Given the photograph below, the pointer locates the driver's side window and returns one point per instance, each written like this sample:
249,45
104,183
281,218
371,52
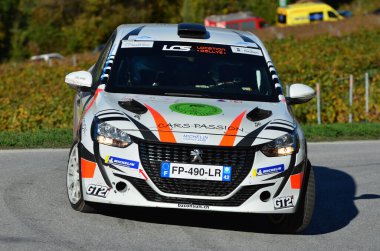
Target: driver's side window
98,68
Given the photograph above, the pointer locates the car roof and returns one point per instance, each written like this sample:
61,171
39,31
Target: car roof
169,32
298,6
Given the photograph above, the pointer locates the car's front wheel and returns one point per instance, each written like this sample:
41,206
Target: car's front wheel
299,221
74,183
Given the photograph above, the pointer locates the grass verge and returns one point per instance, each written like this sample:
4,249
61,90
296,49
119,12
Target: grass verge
62,138
335,132
48,138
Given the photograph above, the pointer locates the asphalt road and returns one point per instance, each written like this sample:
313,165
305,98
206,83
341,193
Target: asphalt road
35,213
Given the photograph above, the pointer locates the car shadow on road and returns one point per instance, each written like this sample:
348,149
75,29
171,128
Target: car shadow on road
334,202
334,209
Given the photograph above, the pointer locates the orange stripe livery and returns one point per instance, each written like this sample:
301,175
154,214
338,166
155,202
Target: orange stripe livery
93,100
165,135
230,135
296,180
89,106
87,168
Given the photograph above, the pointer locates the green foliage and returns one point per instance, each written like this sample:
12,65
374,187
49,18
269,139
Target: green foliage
33,95
90,28
66,26
30,27
38,98
329,61
7,7
197,10
263,8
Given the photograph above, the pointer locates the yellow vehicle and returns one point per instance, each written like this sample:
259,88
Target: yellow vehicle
305,13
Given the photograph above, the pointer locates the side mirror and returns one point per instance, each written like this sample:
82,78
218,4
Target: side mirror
79,80
299,94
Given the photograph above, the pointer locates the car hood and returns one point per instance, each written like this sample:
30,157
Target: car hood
197,120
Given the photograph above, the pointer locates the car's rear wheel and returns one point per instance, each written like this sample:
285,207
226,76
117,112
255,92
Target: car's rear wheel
300,220
74,182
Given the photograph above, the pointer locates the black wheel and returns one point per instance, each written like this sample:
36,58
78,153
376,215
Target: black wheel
300,220
74,182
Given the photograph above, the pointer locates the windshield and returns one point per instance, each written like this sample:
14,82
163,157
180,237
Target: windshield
191,69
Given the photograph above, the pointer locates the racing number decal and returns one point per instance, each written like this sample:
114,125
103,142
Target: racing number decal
97,190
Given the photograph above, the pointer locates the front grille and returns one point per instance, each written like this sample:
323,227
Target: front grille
152,154
236,200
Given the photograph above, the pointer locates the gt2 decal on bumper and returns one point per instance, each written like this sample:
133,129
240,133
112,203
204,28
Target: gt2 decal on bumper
283,202
98,190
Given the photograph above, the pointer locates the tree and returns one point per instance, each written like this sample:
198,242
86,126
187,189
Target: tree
7,10
197,10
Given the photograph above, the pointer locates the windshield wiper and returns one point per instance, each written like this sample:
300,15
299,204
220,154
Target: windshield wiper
185,94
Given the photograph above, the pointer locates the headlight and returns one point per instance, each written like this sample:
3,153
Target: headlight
107,134
282,146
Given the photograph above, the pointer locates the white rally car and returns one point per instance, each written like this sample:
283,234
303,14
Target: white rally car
180,116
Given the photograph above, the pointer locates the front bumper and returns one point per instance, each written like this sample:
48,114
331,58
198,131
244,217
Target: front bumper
142,189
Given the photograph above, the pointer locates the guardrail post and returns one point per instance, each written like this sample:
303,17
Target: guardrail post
74,60
318,104
350,97
366,77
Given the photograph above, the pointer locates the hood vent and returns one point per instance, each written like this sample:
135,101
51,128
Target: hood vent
258,114
133,106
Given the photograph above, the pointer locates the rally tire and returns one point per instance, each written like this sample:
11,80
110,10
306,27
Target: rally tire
309,200
300,220
74,182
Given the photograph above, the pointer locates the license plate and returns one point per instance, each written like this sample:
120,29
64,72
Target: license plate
195,172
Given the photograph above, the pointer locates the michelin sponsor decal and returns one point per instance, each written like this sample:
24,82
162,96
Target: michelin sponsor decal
196,138
121,162
193,206
268,170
